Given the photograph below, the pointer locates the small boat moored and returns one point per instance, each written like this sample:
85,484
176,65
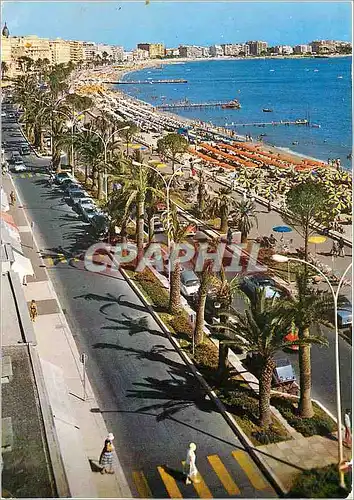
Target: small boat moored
267,110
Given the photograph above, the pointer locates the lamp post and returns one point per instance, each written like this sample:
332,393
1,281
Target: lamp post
167,185
335,294
105,143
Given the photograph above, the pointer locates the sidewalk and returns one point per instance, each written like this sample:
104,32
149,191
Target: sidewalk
81,432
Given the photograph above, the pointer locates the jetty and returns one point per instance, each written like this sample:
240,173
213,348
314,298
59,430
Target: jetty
265,124
144,82
186,105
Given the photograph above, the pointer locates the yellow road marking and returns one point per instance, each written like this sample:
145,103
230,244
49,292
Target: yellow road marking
141,484
170,483
61,257
200,486
223,474
76,259
50,261
253,474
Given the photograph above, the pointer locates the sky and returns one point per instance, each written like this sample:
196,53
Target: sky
180,22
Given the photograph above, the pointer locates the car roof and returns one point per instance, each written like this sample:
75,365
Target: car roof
188,274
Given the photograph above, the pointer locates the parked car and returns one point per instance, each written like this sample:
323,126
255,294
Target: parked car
84,202
250,284
89,212
190,283
69,184
25,150
19,166
62,176
15,154
76,194
344,312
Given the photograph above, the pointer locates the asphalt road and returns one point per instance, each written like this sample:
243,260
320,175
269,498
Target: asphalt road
147,397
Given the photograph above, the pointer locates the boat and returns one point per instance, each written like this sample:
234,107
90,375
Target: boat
234,104
267,110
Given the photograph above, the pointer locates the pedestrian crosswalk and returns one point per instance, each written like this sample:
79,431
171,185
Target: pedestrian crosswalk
28,175
173,482
58,258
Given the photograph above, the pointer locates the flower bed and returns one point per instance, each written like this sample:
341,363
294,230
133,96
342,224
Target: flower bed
320,424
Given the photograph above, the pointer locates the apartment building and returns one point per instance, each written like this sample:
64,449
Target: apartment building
76,51
302,49
154,49
89,50
172,52
60,51
256,47
190,51
30,46
140,55
216,51
283,50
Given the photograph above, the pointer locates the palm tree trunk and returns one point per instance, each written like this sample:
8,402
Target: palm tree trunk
86,172
265,385
222,361
243,237
127,147
199,323
151,227
175,289
140,228
99,185
56,157
223,222
305,403
37,136
173,164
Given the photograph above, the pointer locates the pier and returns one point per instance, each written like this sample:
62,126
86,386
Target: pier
186,105
144,82
264,124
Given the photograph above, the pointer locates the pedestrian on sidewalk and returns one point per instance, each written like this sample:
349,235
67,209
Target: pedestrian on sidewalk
191,469
12,198
106,457
24,280
347,425
335,249
33,310
341,250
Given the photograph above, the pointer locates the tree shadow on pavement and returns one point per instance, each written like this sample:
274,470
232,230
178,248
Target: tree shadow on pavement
112,300
133,326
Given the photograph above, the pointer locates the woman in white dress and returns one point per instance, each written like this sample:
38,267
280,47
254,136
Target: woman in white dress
191,468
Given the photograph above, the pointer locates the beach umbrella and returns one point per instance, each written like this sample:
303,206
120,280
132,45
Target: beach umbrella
317,239
282,230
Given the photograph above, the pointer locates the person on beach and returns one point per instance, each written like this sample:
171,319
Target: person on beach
33,311
341,251
347,425
12,198
106,457
191,468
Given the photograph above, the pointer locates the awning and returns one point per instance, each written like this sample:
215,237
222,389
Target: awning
22,265
8,234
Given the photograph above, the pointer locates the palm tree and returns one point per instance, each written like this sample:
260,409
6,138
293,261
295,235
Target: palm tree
173,145
306,310
4,68
129,133
206,279
177,233
220,206
90,149
260,331
244,216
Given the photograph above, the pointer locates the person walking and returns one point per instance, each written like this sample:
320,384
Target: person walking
341,251
12,198
191,468
334,251
106,457
33,310
347,425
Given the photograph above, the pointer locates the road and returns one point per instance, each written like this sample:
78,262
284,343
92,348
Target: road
147,396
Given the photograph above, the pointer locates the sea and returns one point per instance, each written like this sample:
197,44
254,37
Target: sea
316,89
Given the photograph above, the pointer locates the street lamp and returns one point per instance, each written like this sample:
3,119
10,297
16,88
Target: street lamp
105,145
167,185
335,293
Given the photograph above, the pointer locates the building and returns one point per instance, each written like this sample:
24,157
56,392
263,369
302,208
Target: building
76,51
60,51
172,52
234,49
323,46
140,55
190,51
216,51
89,51
154,49
30,46
256,48
302,49
128,56
283,50
118,53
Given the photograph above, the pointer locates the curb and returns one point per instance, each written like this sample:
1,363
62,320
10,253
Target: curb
27,329
123,483
248,445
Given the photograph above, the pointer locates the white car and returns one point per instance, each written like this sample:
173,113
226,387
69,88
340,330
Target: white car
84,203
190,283
19,166
89,212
